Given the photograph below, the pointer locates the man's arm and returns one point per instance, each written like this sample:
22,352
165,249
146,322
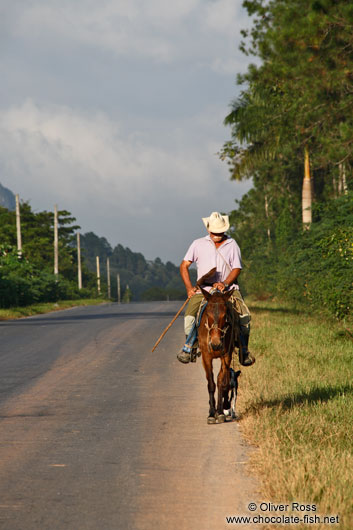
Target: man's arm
184,272
232,276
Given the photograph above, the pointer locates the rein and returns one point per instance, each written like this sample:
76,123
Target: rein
209,328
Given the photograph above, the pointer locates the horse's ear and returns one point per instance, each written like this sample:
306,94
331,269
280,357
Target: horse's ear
206,294
228,294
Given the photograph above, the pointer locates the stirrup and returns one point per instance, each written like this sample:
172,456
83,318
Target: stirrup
194,354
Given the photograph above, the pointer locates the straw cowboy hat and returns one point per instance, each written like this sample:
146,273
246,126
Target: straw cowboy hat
216,223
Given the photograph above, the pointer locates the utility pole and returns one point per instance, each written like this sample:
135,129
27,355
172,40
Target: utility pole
79,261
127,294
108,276
98,276
18,226
56,242
118,286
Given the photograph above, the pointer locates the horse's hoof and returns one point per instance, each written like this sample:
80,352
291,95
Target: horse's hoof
221,418
211,420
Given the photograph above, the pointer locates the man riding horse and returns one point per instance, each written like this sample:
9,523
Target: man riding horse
219,251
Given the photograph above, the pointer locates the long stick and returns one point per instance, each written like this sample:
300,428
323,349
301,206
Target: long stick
170,324
198,284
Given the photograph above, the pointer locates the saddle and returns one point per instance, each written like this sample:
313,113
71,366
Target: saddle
191,340
237,314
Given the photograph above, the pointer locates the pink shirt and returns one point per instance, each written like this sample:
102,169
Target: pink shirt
204,253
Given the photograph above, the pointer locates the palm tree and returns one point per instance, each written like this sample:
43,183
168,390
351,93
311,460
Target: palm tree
307,193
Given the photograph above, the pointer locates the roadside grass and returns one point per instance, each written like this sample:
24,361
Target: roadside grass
37,309
296,407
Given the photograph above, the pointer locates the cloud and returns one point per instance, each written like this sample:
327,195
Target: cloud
88,165
114,110
58,144
199,31
63,144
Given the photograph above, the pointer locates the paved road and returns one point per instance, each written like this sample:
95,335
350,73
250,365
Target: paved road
96,432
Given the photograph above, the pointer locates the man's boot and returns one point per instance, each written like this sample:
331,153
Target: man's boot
245,357
188,353
184,357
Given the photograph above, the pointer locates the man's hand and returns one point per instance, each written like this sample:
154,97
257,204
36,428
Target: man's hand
191,291
219,285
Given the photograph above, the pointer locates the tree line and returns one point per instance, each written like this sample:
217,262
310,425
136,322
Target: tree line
292,133
28,277
147,279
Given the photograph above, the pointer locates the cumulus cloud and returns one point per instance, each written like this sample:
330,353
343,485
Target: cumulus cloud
86,164
87,152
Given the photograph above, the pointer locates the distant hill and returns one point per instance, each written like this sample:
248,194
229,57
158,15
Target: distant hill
7,198
147,280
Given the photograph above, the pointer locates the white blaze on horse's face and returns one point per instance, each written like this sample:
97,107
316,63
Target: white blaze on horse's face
216,325
216,322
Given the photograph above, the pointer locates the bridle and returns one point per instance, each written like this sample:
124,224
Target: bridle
209,328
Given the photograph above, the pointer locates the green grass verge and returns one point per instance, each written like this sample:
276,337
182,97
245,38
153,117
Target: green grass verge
37,309
296,406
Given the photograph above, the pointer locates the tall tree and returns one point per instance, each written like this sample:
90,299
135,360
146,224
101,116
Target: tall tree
301,94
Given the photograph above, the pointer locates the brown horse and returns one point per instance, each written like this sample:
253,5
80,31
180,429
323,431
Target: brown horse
216,341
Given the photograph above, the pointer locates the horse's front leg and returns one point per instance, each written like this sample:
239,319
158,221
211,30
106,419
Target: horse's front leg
207,364
223,384
227,396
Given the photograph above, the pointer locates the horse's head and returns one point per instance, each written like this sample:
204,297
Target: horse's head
215,318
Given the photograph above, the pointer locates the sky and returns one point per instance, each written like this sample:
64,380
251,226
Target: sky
114,110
